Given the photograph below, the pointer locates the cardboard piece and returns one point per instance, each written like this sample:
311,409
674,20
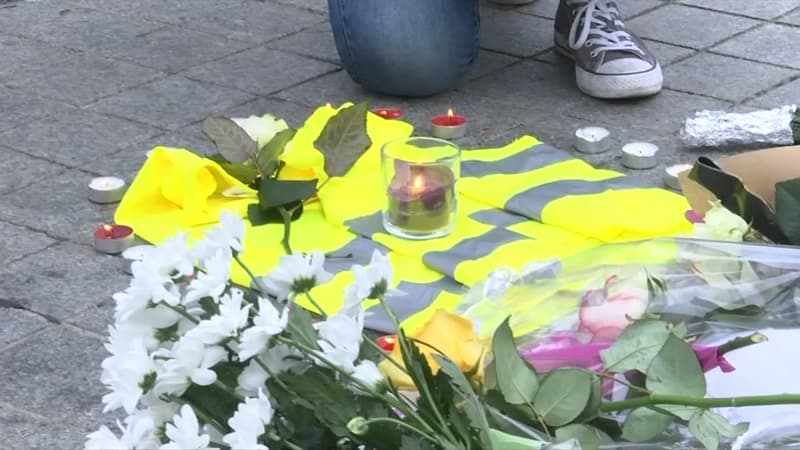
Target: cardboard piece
759,170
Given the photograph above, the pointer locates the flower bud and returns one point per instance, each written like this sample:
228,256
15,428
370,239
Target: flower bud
358,426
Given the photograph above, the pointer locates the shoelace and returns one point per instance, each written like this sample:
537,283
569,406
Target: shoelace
594,20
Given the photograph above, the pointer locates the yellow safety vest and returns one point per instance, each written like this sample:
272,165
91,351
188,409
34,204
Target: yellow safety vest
519,203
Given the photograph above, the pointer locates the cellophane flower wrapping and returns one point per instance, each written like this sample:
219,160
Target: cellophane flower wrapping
565,313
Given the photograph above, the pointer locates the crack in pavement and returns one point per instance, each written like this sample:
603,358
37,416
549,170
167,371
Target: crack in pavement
9,304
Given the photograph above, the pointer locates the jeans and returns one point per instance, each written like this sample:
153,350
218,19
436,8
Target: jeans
409,48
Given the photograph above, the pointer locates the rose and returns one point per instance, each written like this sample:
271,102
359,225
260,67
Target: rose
605,312
720,224
262,129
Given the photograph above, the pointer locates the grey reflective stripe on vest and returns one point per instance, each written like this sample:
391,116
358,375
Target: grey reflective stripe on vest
358,251
497,217
531,203
418,297
367,225
446,261
532,158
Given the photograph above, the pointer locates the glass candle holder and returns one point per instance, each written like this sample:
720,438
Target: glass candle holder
420,175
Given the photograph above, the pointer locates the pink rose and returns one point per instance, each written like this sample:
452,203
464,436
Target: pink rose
605,312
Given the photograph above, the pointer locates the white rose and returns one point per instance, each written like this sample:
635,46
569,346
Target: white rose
262,129
721,225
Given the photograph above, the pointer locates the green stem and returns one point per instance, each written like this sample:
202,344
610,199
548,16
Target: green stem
287,227
291,445
402,424
741,342
182,312
250,273
271,374
202,415
720,402
229,390
389,357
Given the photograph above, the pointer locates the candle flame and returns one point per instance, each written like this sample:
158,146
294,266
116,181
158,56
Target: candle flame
329,105
450,112
419,183
107,228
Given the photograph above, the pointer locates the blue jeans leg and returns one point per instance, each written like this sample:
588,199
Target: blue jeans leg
409,48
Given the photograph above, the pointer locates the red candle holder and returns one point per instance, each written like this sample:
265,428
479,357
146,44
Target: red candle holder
387,342
389,113
113,239
449,126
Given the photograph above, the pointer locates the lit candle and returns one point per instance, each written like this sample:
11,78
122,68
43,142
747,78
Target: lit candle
389,113
639,155
387,342
449,126
113,239
421,198
106,189
672,175
592,139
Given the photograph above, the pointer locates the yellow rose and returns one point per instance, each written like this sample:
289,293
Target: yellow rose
449,333
261,129
720,224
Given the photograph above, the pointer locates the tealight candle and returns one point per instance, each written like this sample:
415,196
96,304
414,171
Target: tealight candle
113,239
449,126
106,190
639,155
389,113
672,175
592,139
387,342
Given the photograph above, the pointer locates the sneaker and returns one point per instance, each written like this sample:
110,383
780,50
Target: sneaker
610,61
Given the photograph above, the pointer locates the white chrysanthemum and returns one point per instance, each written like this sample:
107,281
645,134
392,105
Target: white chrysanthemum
374,280
147,323
232,317
173,257
126,372
721,225
262,129
159,410
248,423
137,434
191,363
280,358
368,373
184,432
297,273
213,281
147,287
229,234
269,322
340,340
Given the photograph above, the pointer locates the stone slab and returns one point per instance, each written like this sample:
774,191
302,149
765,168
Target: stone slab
260,71
516,34
16,242
294,114
792,18
22,430
787,94
335,88
320,6
75,137
316,41
489,62
682,25
62,280
20,170
17,325
547,8
760,10
723,77
26,55
95,317
667,53
166,11
759,45
21,15
171,102
20,107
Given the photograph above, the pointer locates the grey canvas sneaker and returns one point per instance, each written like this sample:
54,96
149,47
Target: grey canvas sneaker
610,61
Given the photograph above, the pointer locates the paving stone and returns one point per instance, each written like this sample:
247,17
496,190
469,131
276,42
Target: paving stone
335,88
792,18
759,45
75,137
255,22
17,242
20,107
82,79
25,431
682,25
20,170
489,62
316,42
22,54
666,53
547,8
166,11
294,114
55,374
761,10
21,15
516,34
788,94
172,102
723,77
314,5
96,317
63,279
173,49
17,325
260,71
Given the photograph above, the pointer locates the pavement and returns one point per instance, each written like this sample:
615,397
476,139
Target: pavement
87,87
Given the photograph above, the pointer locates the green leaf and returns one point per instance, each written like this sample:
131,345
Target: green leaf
505,441
232,142
244,172
301,327
415,442
644,424
595,398
333,404
272,193
676,370
787,208
470,403
636,347
704,431
590,438
344,139
563,395
260,216
267,159
515,378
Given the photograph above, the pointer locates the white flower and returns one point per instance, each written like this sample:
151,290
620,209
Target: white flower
367,372
721,225
279,359
138,434
352,302
297,273
184,432
374,280
191,363
146,323
173,257
213,281
248,423
262,129
229,234
340,340
269,322
159,410
125,372
147,287
233,314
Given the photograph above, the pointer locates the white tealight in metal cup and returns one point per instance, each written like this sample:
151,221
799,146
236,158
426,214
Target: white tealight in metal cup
106,190
672,175
592,139
640,155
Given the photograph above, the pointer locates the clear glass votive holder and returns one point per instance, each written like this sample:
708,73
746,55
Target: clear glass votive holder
419,178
